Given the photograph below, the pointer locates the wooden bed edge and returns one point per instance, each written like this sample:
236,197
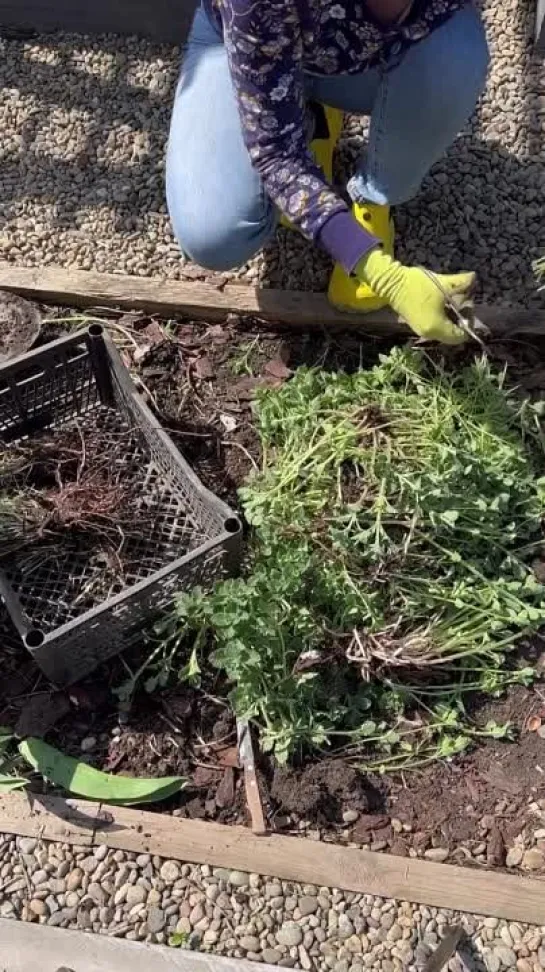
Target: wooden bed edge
294,309
476,891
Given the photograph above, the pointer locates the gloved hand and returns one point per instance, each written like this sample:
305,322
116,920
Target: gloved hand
415,296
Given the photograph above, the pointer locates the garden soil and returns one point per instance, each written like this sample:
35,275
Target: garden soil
200,380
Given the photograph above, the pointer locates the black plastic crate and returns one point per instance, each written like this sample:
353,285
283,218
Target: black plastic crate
193,538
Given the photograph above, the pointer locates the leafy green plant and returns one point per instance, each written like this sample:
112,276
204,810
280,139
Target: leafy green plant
396,518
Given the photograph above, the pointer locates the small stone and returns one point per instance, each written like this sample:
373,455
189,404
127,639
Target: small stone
250,943
155,920
27,845
395,933
271,956
289,935
39,877
506,955
74,879
354,945
197,914
100,852
438,854
210,937
492,961
350,816
514,856
238,879
96,893
135,894
39,908
88,744
523,965
57,886
308,905
533,859
170,872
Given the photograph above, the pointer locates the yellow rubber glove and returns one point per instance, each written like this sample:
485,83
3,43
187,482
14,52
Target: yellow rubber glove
414,296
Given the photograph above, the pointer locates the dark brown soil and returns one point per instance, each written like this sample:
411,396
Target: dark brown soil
200,379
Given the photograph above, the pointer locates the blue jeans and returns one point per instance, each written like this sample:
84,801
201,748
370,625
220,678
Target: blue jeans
219,210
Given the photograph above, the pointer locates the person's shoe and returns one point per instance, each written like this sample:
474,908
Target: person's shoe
345,292
328,123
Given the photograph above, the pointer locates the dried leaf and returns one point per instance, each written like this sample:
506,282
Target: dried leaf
278,369
83,780
203,368
533,723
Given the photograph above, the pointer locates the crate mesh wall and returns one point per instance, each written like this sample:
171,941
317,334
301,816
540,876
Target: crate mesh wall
87,611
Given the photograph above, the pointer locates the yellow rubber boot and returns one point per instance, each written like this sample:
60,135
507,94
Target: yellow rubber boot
323,147
346,292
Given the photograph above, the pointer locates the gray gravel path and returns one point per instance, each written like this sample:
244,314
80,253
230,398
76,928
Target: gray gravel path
84,123
242,915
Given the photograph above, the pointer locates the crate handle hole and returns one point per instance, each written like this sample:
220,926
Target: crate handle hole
232,524
34,639
95,330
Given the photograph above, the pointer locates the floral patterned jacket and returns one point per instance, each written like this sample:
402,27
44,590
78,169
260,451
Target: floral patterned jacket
270,44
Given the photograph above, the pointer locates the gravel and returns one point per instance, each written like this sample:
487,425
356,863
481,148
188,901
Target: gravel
231,913
84,124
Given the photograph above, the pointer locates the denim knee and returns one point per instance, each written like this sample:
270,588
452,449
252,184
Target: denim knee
220,243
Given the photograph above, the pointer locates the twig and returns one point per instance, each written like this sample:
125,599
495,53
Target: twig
238,445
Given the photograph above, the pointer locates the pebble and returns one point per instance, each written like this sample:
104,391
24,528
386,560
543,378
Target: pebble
170,872
308,905
39,907
27,845
514,856
238,879
88,744
135,894
74,879
289,935
350,816
533,859
155,920
436,854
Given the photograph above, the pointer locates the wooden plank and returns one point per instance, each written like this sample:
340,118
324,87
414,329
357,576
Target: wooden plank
326,865
25,946
48,818
289,858
300,309
160,20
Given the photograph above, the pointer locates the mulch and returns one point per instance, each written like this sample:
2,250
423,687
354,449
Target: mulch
200,380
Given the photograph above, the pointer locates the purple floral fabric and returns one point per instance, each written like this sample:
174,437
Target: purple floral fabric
270,45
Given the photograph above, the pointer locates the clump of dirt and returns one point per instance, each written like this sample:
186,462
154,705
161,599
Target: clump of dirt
320,791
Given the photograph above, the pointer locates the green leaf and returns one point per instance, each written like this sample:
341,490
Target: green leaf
178,939
9,783
85,781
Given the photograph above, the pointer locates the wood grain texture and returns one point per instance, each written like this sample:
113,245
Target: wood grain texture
161,20
293,309
289,858
50,818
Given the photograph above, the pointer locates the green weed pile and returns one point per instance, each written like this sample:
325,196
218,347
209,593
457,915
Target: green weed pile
395,522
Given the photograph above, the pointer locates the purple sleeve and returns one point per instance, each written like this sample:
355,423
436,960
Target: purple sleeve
264,47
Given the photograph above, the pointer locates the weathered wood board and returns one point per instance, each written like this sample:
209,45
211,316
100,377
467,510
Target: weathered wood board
485,892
